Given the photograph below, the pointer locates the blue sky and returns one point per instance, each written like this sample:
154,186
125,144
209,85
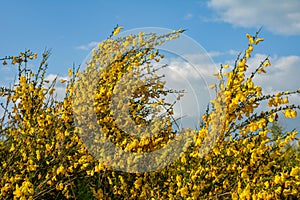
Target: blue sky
70,28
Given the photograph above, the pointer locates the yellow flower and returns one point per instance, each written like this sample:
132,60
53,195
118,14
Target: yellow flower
234,196
278,190
293,113
60,186
12,148
38,154
184,191
295,171
48,147
250,38
226,66
246,193
70,72
277,179
183,159
267,63
248,55
212,86
248,35
250,48
117,30
60,169
17,193
258,40
290,113
138,183
99,194
267,185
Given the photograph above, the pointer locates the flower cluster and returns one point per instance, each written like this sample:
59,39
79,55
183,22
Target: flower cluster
238,152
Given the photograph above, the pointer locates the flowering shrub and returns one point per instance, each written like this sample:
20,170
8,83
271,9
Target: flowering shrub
43,142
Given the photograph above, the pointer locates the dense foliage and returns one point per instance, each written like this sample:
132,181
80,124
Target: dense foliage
44,153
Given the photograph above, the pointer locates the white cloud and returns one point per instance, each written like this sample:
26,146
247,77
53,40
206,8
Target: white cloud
196,74
218,53
191,73
188,16
282,17
282,75
88,46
